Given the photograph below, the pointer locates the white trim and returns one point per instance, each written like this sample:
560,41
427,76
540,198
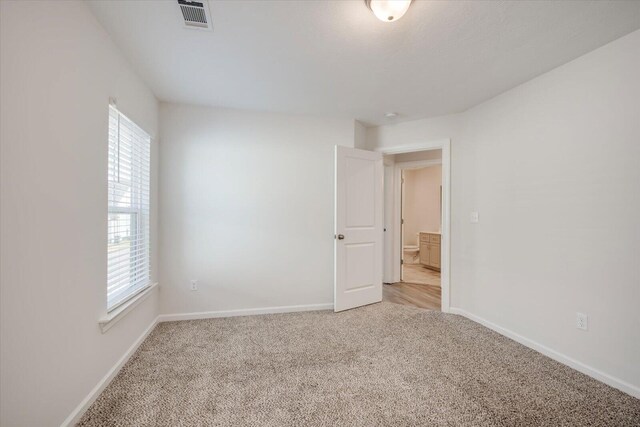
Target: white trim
553,354
112,317
445,262
389,219
77,413
244,312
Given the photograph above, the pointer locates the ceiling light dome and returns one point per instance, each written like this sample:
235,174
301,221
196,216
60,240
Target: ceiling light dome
388,10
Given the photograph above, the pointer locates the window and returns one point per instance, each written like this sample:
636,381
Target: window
128,270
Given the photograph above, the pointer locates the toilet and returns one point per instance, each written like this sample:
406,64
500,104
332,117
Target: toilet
411,253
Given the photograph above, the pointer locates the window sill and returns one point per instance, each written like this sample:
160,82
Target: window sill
112,318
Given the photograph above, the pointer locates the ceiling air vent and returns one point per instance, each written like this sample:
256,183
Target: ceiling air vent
195,14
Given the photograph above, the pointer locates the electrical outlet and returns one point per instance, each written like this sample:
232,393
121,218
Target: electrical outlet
582,321
474,217
194,285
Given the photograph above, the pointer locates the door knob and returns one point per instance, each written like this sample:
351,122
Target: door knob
340,236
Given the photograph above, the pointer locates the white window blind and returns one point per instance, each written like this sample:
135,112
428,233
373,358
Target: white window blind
128,218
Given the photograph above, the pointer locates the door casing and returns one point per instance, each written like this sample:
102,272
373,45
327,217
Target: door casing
445,269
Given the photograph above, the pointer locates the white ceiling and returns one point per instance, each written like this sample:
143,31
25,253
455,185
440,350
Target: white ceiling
334,58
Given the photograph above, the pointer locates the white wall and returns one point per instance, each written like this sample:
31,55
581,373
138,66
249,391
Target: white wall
417,156
246,208
359,135
421,202
57,71
552,166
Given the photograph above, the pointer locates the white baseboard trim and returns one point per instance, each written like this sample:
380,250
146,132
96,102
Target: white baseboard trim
243,312
553,354
77,413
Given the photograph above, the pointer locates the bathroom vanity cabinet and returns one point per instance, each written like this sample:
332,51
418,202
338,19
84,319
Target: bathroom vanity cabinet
430,250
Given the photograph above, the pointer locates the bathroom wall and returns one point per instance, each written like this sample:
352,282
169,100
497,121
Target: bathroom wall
421,207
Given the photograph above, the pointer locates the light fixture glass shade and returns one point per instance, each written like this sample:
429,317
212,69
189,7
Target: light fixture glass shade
388,10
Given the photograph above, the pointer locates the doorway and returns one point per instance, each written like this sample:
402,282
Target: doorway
421,222
416,247
368,242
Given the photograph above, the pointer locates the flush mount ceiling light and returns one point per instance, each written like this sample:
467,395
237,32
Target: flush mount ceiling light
388,10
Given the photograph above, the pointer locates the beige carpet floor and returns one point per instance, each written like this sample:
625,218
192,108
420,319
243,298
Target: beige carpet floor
380,365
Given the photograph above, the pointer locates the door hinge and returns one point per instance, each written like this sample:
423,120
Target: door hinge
401,261
402,221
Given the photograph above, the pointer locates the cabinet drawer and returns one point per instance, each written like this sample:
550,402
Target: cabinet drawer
424,237
434,238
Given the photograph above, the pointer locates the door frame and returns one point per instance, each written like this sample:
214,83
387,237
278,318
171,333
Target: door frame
445,262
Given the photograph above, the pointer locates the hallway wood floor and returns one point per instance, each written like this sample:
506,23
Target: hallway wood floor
421,288
418,273
414,294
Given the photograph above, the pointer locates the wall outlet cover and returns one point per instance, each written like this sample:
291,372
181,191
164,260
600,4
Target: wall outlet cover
582,321
194,285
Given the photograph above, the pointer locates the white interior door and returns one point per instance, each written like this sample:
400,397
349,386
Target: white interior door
359,228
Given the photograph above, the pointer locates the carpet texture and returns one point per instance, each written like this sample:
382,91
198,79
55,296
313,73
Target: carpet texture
380,365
